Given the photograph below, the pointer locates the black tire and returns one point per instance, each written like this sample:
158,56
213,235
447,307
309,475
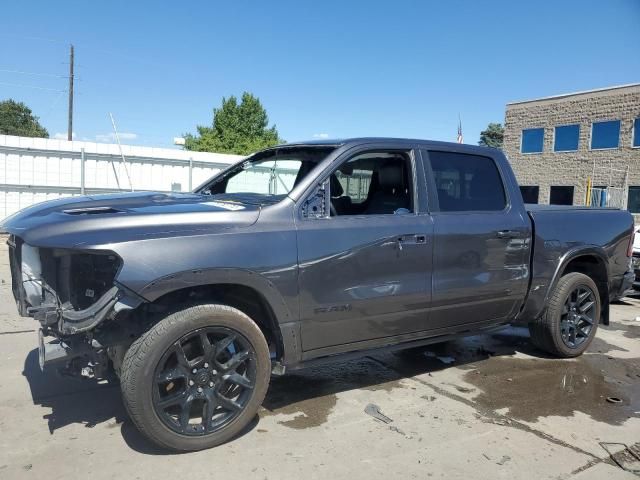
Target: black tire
140,374
547,331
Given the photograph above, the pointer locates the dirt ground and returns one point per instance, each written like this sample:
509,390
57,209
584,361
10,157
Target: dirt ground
485,407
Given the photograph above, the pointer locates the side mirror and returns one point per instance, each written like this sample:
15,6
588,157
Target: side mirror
317,205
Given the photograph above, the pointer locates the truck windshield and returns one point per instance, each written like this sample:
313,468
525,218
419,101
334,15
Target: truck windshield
266,177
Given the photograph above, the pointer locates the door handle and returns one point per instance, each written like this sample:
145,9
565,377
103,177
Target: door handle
416,239
507,234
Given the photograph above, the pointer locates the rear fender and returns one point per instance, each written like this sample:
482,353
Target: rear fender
542,287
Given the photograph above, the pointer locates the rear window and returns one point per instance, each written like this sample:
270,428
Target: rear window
467,183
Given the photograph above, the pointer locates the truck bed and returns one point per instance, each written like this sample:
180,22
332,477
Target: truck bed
560,232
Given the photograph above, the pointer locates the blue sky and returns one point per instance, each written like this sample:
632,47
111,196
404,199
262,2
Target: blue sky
330,68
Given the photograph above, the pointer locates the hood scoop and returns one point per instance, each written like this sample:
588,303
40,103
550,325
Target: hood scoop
91,211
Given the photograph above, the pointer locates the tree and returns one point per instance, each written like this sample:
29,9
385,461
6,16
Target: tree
237,128
493,136
17,119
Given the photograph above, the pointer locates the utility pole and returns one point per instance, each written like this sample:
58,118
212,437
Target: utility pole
70,126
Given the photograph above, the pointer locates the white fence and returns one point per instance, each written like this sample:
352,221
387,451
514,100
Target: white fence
37,169
609,197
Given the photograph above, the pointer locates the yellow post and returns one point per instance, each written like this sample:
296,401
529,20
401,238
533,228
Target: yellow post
587,200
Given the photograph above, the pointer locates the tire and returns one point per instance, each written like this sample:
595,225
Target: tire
229,355
552,331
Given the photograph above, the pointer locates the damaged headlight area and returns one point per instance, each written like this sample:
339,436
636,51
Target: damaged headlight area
67,291
72,293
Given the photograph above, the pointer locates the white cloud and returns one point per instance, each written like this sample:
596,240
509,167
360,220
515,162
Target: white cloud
111,137
320,135
63,136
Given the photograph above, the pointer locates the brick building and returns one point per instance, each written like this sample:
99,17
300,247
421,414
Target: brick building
556,144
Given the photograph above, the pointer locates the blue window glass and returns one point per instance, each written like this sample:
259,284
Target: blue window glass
633,200
605,134
636,132
566,138
532,140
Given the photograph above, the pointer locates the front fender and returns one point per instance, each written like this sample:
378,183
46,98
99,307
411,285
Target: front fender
216,276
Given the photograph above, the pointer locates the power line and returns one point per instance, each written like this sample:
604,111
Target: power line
31,86
33,73
24,37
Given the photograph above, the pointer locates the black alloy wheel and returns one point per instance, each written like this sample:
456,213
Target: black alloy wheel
570,319
197,378
577,316
204,380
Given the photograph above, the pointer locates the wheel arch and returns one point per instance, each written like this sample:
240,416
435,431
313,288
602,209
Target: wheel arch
245,290
591,261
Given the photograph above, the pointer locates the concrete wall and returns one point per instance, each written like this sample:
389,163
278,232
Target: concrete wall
573,168
38,169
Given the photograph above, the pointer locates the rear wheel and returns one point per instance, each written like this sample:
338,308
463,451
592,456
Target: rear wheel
569,324
197,378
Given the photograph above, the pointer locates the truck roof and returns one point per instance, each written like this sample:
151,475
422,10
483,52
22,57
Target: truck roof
391,140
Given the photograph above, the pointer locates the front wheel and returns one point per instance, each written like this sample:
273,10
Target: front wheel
197,378
570,322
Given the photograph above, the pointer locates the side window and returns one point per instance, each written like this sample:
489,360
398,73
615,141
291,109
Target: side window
467,183
372,183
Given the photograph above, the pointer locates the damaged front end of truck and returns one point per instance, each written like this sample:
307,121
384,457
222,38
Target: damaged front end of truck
74,296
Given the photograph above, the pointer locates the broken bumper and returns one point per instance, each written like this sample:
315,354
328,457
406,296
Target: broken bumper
67,291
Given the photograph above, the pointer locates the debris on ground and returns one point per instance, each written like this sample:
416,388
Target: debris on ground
397,430
374,411
614,400
462,389
443,358
503,460
430,398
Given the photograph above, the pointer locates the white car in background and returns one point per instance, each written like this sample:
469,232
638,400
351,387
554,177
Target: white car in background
635,259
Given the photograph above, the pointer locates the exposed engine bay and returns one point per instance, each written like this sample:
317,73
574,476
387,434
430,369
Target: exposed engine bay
74,296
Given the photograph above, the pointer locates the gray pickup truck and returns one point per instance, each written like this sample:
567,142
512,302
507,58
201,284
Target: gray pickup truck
294,256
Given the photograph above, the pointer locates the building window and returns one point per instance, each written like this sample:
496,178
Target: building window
530,193
566,138
633,200
605,134
561,195
532,140
636,132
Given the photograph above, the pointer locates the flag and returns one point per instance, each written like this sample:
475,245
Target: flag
459,139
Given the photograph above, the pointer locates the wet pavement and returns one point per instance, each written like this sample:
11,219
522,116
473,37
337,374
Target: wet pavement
488,406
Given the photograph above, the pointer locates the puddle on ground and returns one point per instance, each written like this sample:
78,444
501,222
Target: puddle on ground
534,388
529,387
309,395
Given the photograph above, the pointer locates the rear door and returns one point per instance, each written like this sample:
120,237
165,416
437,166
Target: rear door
481,241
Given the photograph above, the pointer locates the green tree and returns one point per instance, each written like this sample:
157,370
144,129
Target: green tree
239,128
17,119
493,136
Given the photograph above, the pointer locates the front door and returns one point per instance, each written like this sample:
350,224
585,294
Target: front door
365,269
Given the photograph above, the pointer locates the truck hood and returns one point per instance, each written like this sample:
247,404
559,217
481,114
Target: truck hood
98,220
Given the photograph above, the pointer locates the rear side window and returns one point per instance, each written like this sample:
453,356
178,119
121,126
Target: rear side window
467,183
